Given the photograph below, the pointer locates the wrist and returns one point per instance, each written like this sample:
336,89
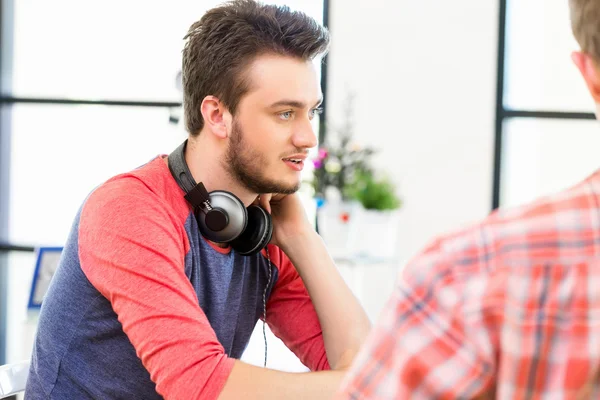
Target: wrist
300,241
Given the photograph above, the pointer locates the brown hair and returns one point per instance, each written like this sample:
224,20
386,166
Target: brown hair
585,23
226,40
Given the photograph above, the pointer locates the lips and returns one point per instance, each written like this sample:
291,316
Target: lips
295,163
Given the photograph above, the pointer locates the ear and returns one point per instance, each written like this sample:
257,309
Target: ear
590,72
215,116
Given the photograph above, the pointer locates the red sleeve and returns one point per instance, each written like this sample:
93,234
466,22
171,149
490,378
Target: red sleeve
292,316
132,249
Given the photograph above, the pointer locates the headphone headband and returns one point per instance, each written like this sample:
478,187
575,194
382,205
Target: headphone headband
180,170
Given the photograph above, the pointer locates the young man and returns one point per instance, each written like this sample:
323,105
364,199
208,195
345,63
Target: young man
509,308
157,292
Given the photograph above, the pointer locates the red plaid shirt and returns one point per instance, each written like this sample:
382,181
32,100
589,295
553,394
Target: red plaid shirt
508,309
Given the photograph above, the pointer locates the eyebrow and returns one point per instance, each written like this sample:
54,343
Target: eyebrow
293,103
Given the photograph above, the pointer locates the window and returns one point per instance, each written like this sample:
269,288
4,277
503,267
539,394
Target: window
539,72
545,130
101,50
107,50
543,156
61,152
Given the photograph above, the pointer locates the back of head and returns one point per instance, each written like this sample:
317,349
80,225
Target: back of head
222,44
585,23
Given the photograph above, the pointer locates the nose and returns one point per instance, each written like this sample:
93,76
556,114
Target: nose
305,137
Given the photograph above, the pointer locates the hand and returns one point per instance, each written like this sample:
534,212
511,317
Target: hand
288,214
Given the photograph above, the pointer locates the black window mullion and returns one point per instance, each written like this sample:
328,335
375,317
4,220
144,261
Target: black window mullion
499,106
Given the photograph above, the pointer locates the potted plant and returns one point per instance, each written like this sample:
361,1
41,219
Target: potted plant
355,203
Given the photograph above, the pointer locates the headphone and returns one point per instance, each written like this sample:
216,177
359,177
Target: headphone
221,215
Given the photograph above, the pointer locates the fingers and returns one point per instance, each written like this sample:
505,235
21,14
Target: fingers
265,202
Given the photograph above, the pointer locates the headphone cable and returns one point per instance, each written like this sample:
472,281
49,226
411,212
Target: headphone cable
265,304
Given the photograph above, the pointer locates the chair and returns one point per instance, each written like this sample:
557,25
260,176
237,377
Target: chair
13,378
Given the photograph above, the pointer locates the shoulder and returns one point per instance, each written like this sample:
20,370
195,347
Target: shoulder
119,196
143,203
513,237
148,191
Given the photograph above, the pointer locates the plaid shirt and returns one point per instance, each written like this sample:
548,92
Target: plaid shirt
508,309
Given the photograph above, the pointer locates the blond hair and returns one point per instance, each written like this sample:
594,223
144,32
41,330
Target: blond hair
585,24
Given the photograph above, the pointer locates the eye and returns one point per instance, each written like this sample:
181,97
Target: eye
286,115
315,111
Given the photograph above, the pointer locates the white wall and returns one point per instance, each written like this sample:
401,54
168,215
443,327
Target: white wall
424,77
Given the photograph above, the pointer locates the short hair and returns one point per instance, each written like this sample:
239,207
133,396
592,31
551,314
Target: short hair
223,43
585,24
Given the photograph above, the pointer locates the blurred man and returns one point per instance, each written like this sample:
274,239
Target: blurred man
509,308
168,268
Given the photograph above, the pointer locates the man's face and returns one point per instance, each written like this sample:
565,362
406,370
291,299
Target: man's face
272,131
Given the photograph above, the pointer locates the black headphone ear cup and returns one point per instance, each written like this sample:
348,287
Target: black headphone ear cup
268,235
257,234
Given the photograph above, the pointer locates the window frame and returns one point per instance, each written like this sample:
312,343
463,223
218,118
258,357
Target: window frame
503,113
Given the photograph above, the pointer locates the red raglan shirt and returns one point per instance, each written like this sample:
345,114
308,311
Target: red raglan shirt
143,307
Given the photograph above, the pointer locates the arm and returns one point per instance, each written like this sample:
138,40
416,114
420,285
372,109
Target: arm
132,249
291,314
292,317
255,383
344,323
298,320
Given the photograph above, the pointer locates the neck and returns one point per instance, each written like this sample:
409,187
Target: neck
204,159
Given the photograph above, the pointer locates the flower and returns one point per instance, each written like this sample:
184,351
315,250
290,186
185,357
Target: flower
323,153
335,165
344,164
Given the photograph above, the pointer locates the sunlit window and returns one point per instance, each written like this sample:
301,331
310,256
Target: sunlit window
542,156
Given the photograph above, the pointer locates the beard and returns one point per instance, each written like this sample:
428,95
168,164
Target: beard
247,166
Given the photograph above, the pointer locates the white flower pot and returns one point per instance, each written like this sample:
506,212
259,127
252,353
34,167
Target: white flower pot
336,223
351,232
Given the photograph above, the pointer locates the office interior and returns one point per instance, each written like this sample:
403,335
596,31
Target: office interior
471,105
